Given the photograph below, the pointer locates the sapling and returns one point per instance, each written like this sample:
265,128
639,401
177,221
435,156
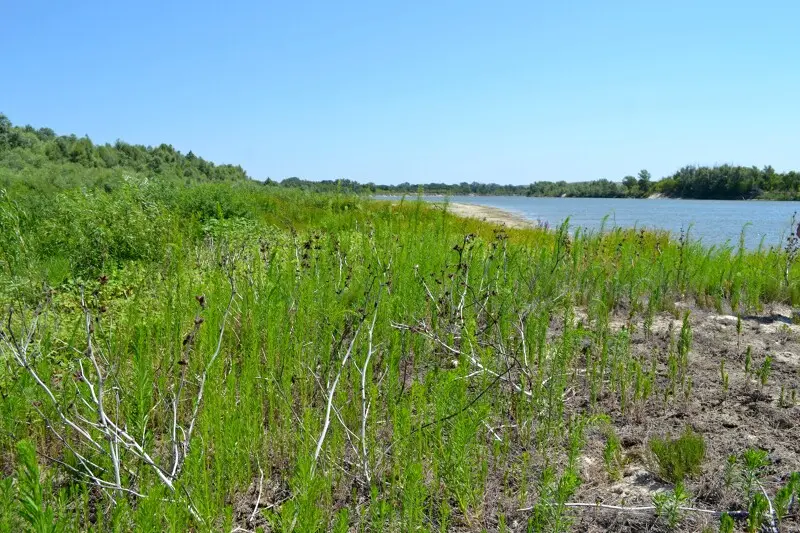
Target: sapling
724,375
668,505
764,370
687,390
785,495
748,361
752,463
726,523
612,455
730,472
756,512
738,333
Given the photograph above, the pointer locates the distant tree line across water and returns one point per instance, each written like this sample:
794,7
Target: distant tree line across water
26,148
724,182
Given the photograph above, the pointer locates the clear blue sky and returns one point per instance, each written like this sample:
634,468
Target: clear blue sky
450,91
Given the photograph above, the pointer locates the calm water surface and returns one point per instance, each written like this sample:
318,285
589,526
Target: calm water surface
712,221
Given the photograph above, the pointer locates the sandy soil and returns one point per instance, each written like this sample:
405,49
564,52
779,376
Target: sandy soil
492,215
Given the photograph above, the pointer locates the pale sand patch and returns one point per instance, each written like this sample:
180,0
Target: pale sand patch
492,215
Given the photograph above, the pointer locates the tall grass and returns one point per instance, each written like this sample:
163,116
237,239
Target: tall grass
383,366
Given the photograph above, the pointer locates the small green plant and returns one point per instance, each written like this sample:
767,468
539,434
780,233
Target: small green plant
613,456
680,457
7,502
756,512
752,464
731,471
748,361
668,505
32,507
550,514
764,370
726,523
684,345
724,376
785,495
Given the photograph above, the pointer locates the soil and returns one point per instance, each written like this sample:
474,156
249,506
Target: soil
747,415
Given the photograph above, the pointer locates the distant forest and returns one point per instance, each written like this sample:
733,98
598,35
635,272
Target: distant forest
724,182
25,149
69,159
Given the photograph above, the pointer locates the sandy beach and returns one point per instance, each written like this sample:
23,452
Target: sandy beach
490,214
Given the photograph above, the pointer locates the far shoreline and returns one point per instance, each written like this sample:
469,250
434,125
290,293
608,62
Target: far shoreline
381,196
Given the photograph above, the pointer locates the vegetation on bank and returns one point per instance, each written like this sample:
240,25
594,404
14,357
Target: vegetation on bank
67,158
25,148
226,355
723,182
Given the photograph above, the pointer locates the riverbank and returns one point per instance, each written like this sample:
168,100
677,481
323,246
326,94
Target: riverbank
486,213
492,215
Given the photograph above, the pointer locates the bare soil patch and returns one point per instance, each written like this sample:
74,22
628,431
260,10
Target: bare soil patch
748,415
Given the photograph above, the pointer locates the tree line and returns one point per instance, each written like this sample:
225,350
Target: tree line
723,182
26,147
23,148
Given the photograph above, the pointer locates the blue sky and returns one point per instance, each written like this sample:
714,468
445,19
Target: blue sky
445,91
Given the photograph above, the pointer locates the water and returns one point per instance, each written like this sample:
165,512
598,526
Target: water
712,221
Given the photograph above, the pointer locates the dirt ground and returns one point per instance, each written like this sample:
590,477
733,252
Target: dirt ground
748,415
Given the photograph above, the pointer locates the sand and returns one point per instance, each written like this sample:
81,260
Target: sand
492,215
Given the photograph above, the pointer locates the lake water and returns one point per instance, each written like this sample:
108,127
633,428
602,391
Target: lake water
712,221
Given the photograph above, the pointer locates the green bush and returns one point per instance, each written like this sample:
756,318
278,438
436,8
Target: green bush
97,230
680,457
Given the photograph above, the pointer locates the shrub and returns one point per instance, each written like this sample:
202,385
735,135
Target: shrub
680,457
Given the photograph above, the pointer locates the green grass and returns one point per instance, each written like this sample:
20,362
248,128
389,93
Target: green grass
680,457
450,379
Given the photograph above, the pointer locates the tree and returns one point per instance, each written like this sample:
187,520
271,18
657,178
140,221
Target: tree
630,184
644,181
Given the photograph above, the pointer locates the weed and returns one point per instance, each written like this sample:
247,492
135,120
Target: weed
764,370
756,512
613,456
726,523
680,457
668,505
748,361
723,376
752,463
786,495
32,507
